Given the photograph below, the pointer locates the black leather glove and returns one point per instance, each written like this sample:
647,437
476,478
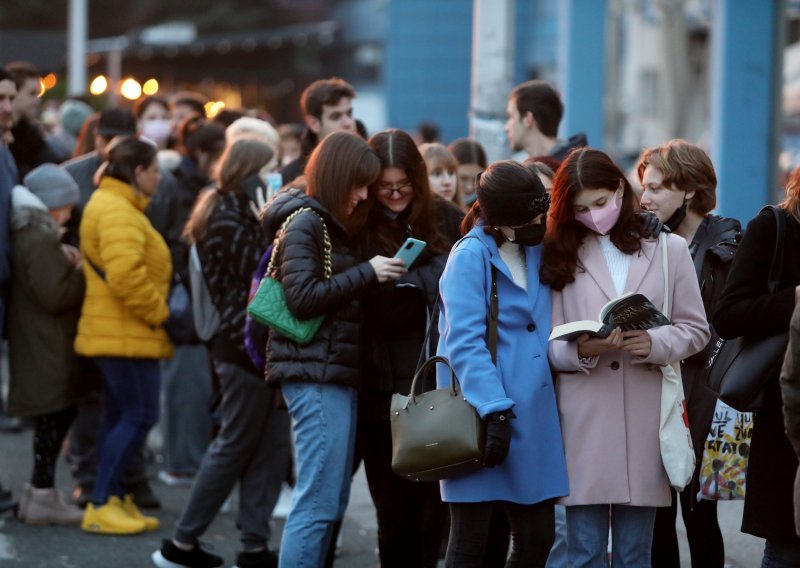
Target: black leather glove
498,437
652,226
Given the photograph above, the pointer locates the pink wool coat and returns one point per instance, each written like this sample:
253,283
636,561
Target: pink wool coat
609,407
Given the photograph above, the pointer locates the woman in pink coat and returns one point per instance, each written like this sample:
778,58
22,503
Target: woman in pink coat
609,390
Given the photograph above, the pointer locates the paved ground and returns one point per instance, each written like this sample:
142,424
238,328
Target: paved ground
51,547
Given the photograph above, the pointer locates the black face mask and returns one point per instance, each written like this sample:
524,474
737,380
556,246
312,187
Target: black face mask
677,218
530,235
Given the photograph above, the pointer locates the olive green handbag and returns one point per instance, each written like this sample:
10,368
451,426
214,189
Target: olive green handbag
438,434
268,306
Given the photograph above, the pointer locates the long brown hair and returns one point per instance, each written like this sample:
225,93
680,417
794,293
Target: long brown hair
396,149
791,204
585,168
341,162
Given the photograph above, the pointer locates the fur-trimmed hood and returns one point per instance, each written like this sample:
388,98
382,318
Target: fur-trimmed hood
27,210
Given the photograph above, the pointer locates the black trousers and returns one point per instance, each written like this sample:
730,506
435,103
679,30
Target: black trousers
702,530
411,517
532,533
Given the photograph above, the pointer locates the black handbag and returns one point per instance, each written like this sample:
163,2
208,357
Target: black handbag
739,368
438,434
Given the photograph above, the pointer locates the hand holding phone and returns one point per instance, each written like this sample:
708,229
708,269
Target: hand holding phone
410,250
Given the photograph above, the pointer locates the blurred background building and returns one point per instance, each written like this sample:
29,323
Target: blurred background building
413,60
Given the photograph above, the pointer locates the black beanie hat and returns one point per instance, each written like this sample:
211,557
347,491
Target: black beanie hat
510,195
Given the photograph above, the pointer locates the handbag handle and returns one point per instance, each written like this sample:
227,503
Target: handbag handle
424,368
494,311
326,261
665,267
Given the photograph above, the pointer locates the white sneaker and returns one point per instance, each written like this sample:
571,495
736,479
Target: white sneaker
284,504
174,479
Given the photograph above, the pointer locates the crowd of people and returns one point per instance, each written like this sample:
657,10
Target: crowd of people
105,216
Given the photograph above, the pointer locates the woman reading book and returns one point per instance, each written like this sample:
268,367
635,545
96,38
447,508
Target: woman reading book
609,389
509,384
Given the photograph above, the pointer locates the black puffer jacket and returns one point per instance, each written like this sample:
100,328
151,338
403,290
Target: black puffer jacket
334,355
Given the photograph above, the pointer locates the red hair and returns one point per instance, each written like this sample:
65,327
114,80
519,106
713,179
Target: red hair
584,168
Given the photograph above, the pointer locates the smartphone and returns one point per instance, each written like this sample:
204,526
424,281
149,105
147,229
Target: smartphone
410,250
274,184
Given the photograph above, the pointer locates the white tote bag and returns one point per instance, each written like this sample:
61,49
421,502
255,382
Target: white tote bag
677,452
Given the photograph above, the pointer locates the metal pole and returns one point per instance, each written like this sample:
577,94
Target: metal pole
114,66
76,66
492,73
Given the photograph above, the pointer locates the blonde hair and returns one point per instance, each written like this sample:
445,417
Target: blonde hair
438,156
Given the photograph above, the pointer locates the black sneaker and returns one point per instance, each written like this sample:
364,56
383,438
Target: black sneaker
143,495
260,559
170,556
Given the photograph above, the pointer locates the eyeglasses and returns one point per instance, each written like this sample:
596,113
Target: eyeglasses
389,189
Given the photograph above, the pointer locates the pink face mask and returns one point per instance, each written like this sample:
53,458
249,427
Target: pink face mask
602,220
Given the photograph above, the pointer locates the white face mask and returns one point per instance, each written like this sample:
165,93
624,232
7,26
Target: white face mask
157,130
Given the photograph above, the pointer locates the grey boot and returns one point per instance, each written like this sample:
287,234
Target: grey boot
47,506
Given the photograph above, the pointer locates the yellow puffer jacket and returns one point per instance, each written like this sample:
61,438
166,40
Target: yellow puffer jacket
123,314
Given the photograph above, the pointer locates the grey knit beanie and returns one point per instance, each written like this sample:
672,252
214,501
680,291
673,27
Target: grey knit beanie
53,185
73,114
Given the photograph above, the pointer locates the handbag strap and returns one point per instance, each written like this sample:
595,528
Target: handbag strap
492,333
665,266
776,268
326,261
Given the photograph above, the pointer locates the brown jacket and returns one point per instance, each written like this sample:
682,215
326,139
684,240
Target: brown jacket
790,385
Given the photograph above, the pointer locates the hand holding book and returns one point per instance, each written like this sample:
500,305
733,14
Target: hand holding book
629,312
636,342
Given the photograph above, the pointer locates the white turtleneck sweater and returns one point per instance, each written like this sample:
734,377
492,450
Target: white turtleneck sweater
514,257
618,263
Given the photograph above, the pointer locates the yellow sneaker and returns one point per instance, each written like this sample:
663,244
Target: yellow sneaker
110,518
150,523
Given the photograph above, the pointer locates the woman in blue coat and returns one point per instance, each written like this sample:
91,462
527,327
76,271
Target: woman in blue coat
524,456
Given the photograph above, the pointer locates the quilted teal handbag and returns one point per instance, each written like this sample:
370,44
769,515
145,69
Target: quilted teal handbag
268,306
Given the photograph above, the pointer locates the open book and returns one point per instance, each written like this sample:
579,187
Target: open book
629,312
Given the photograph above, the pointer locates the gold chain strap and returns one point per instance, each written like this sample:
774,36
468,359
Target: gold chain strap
326,239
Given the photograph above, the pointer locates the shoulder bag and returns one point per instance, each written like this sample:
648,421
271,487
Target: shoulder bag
438,434
738,368
268,306
677,452
180,322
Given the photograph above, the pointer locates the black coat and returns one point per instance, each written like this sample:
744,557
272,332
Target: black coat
334,355
747,309
397,313
712,249
229,254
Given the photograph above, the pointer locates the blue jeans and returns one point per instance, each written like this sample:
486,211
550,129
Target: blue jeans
631,533
131,391
558,554
324,424
781,555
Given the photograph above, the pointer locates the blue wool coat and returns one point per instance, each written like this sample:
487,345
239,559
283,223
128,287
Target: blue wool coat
535,468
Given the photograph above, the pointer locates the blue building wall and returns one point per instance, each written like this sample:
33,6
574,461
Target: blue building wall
427,64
